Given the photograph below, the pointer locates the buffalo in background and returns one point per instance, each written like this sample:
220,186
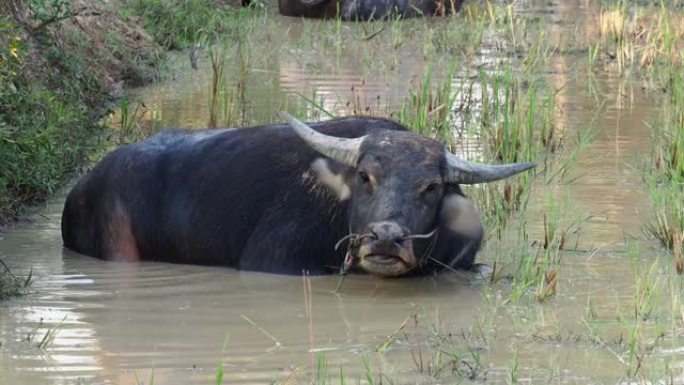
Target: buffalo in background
279,198
367,9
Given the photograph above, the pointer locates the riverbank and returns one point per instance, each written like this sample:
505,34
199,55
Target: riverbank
63,65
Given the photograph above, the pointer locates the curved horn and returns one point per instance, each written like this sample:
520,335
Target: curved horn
461,171
311,3
344,150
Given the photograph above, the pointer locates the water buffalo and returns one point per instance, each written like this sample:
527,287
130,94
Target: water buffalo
278,199
367,9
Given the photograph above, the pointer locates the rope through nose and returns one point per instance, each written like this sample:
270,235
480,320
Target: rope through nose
420,236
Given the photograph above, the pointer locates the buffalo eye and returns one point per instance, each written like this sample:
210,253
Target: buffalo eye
431,188
364,177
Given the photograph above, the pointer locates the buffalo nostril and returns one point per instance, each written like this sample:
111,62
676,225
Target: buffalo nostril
388,233
374,234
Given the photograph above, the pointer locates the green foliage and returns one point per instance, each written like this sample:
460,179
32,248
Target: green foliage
515,123
666,177
46,11
177,24
428,109
11,55
44,119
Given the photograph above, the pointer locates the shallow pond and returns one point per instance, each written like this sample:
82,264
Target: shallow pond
89,321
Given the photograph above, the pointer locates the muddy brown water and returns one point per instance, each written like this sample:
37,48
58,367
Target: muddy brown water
117,323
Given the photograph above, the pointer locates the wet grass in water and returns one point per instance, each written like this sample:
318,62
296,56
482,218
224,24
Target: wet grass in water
227,101
12,285
641,41
428,109
511,114
150,379
532,268
130,129
217,85
536,275
514,120
220,366
382,348
665,175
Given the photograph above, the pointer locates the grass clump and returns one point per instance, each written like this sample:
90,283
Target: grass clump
513,123
640,40
665,178
12,285
429,107
179,24
227,95
667,222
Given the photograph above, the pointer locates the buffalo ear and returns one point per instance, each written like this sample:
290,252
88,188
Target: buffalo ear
459,215
332,174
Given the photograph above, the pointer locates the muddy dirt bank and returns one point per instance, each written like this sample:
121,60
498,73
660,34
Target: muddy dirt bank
62,64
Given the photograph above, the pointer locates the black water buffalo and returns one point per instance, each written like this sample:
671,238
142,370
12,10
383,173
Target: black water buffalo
367,9
279,198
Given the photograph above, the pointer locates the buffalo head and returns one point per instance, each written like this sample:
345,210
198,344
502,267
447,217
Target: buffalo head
402,189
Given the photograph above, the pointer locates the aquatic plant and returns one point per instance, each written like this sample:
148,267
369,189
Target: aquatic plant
12,285
515,123
129,126
429,109
665,174
642,41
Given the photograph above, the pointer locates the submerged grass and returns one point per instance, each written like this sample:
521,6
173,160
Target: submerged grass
437,356
637,328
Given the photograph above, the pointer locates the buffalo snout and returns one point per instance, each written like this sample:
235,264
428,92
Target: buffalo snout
387,251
